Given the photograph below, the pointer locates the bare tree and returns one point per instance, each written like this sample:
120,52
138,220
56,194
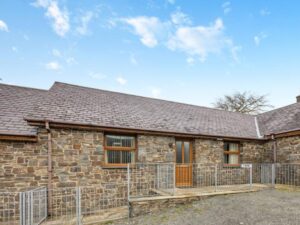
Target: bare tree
243,102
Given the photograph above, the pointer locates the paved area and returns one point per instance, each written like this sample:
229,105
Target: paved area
268,207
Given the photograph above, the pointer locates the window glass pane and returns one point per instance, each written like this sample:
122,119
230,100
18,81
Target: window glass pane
233,147
113,156
119,157
226,146
233,159
178,152
226,158
120,141
186,152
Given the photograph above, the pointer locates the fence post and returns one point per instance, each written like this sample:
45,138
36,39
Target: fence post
174,178
273,175
251,176
158,176
46,208
21,208
216,177
78,206
28,211
31,207
128,182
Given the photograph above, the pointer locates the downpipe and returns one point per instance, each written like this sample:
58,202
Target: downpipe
47,126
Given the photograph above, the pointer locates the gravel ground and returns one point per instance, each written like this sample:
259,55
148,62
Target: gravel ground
268,207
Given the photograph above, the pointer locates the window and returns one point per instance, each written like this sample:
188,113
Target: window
119,149
231,153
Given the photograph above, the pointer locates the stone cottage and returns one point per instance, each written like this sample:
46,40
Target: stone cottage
71,135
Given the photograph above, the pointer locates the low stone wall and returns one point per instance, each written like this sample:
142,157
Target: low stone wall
142,207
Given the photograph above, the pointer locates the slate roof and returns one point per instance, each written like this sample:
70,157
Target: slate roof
280,120
15,103
81,105
70,103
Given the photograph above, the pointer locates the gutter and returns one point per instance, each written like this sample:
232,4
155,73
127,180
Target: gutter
94,127
18,137
49,167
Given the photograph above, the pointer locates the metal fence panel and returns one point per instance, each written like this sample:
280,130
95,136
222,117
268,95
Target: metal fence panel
33,206
151,179
109,200
287,174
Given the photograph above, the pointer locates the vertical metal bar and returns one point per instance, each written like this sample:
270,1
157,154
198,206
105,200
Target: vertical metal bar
251,168
45,203
24,208
78,206
174,178
31,206
216,177
21,207
273,175
128,181
158,176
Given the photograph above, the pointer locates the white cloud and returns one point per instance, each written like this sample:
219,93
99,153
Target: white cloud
226,7
70,61
172,2
264,12
190,60
97,76
178,34
133,60
3,26
60,18
179,18
121,80
56,53
258,38
53,66
234,52
200,40
41,3
148,28
156,92
85,20
14,49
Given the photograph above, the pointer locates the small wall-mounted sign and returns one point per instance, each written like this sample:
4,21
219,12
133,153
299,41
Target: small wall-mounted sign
246,165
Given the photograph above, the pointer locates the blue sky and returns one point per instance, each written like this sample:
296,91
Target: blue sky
186,51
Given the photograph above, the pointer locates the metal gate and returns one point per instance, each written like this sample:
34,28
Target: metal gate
33,206
267,173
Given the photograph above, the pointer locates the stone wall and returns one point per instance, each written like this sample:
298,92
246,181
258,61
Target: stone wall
142,207
23,164
156,148
78,157
254,152
208,151
288,150
212,151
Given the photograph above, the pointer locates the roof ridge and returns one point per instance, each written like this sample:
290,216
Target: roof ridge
257,127
156,99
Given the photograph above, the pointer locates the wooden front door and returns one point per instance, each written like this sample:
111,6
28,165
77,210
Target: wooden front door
184,167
